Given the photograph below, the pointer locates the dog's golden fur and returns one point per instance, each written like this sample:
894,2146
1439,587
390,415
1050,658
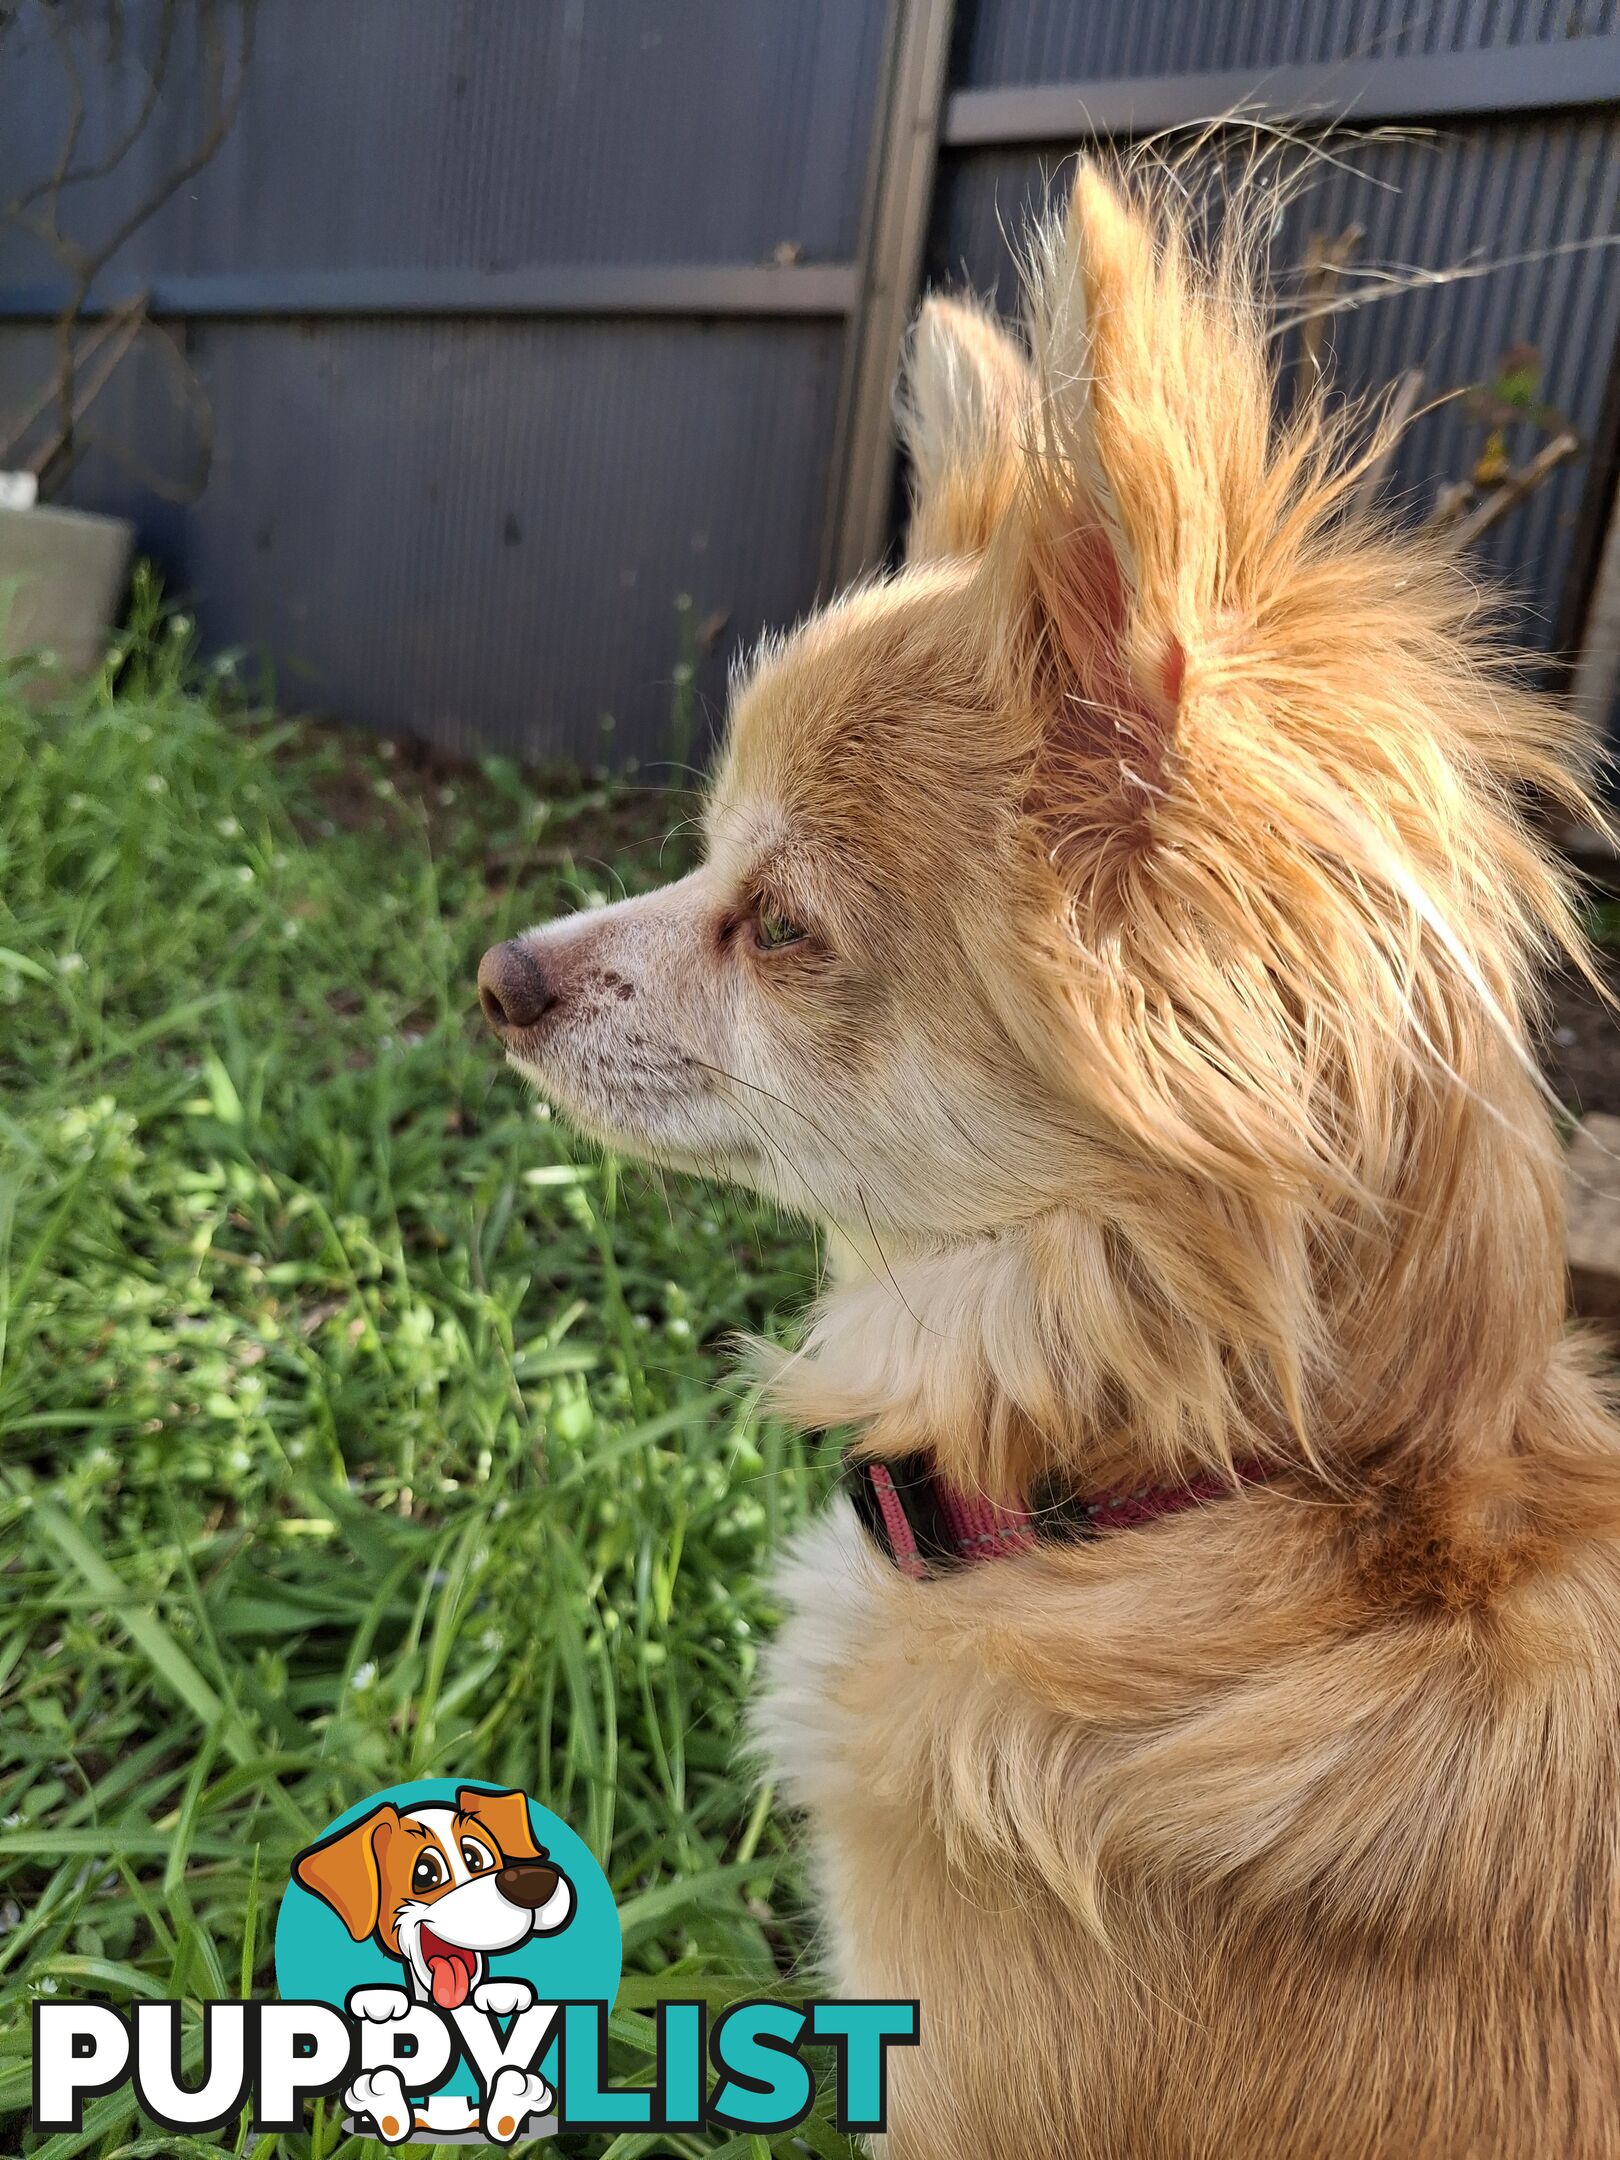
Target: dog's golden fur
1156,1049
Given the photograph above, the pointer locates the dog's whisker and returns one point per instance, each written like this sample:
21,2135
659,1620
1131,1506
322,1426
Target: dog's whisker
821,1133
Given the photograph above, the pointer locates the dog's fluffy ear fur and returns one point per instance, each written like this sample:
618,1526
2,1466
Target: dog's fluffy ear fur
1148,459
505,1815
964,399
1116,475
346,1870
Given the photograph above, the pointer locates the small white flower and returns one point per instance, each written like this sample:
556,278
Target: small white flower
364,1675
155,784
228,828
69,963
47,1986
244,873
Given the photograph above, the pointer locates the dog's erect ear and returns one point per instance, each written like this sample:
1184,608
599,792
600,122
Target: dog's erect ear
964,394
1147,462
346,1870
505,1815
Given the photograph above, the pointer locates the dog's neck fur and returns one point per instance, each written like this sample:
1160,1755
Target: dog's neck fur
1060,1346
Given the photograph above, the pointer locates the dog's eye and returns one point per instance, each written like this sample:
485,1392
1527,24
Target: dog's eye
475,1856
773,930
428,1873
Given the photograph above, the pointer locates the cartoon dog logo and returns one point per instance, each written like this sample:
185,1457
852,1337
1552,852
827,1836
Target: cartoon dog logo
443,1890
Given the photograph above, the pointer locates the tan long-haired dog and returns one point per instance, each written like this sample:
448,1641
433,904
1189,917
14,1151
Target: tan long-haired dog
1119,928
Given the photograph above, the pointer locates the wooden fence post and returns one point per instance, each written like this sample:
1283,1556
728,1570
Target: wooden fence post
897,225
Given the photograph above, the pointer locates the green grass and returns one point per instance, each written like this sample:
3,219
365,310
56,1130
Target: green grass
357,1425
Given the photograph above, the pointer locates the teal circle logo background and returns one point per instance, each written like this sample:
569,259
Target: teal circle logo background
316,1960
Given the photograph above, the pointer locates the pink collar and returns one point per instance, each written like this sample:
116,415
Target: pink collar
927,1527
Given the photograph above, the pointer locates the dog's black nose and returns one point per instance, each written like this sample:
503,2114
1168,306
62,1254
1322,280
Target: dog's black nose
512,987
529,1883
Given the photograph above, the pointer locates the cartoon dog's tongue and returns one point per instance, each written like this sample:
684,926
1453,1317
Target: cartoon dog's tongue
450,1970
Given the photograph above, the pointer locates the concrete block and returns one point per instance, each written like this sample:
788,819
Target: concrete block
62,575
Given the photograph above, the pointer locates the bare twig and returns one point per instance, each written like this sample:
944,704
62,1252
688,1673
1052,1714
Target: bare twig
1396,420
38,209
1451,499
62,40
69,175
164,346
1324,264
90,263
129,320
1515,488
225,107
95,338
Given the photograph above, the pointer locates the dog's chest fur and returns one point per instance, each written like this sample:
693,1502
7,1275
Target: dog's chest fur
1158,1906
853,1712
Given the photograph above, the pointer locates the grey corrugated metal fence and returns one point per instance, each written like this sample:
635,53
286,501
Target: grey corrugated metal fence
520,319
1479,142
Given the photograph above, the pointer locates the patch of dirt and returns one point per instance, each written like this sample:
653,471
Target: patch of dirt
363,782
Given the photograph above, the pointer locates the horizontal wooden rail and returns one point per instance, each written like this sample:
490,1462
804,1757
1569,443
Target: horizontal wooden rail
1566,73
675,289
